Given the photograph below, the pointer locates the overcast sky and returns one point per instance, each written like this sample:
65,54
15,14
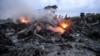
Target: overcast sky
70,7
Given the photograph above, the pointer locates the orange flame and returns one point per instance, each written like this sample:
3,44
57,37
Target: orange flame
24,20
63,26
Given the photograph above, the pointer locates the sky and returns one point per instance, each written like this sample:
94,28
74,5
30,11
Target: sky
69,7
74,7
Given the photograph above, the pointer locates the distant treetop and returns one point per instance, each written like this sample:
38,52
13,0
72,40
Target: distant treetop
53,6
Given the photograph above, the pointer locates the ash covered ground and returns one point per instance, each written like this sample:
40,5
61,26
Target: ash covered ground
82,39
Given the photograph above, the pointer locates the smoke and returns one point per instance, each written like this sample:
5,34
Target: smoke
16,8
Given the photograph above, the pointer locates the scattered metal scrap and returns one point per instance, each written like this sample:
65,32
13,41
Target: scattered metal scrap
81,40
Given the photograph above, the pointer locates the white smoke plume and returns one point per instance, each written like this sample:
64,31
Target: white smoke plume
16,8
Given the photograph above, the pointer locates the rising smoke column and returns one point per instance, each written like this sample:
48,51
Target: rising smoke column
16,8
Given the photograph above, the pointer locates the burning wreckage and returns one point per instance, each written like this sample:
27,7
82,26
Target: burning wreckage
62,37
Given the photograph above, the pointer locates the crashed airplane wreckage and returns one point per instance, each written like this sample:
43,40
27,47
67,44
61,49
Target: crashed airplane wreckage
59,36
36,26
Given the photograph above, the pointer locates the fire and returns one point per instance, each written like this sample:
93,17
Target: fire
60,30
56,29
65,24
24,20
62,26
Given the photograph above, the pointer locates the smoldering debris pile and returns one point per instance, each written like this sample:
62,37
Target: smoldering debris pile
67,38
82,39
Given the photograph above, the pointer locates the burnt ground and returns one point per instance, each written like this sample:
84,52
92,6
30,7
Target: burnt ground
81,40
